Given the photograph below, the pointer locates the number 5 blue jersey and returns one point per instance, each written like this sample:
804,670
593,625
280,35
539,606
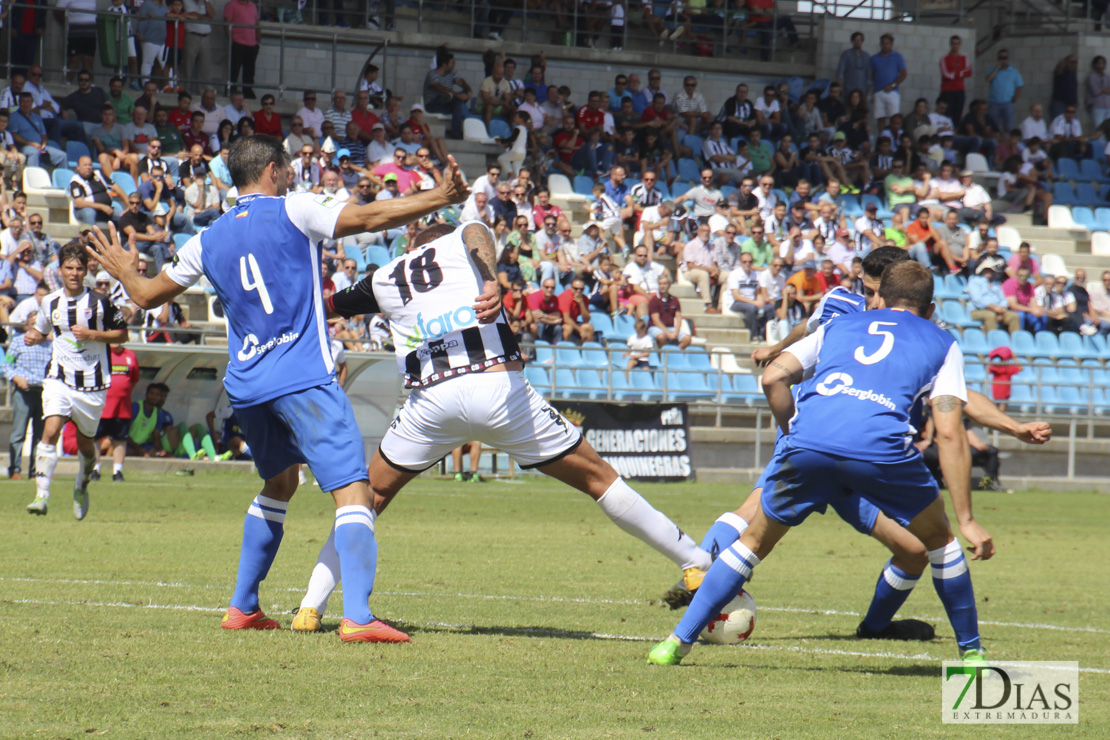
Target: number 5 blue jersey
263,259
870,370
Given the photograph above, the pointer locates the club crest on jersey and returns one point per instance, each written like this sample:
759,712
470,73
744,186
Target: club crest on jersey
56,316
441,325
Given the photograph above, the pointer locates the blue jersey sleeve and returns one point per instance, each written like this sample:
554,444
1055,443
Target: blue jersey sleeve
165,419
837,302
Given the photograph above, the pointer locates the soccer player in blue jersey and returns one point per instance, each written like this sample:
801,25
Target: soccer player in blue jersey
909,558
847,429
263,259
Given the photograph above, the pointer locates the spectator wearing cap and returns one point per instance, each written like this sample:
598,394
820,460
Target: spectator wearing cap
380,149
869,229
808,286
987,299
699,266
975,205
390,188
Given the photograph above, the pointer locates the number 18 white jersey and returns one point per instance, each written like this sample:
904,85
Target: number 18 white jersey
427,296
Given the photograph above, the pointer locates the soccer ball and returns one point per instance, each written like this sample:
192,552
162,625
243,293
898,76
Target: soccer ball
734,624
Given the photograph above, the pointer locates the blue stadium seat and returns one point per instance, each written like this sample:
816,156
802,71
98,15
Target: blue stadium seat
499,129
1063,194
1086,195
1067,169
603,325
624,326
1100,402
745,390
594,356
544,354
356,254
781,195
537,377
1046,344
820,86
956,314
678,189
727,190
125,181
180,239
975,372
975,343
645,382
1096,344
567,355
591,381
694,142
1104,192
849,205
622,390
674,358
795,87
1021,342
698,359
61,177
998,338
661,186
1022,398
955,284
1102,218
1043,374
377,255
1089,171
1068,400
688,171
74,151
1085,217
734,142
1071,345
956,332
688,387
584,185
941,292
566,385
1068,372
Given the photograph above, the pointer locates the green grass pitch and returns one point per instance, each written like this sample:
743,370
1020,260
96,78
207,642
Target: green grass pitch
531,616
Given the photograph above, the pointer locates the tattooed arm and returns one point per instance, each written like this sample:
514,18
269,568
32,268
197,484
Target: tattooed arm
479,243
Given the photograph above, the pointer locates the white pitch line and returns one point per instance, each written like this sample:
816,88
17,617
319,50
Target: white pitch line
553,632
543,599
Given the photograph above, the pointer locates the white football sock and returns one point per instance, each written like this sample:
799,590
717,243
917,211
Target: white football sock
97,468
116,467
46,459
634,515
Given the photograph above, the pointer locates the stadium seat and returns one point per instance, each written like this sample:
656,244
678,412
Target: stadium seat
1071,345
1084,217
698,359
1089,171
537,377
592,382
678,189
781,195
559,184
1021,342
955,285
956,332
849,205
1104,192
475,130
1053,264
603,325
694,142
1100,402
594,356
977,163
723,358
1059,216
1096,343
1046,344
36,181
1102,218
975,372
674,359
352,251
688,387
954,313
584,186
644,382
624,326
544,354
727,190
180,239
1067,169
1043,374
884,212
216,310
745,390
1068,372
688,171
567,355
61,177
1100,243
499,129
974,342
1009,238
125,181
74,151
1022,398
1063,194
566,385
1086,195
376,255
1065,399
734,142
820,86
998,338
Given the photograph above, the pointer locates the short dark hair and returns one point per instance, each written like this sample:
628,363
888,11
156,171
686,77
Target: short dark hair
880,258
156,386
249,156
430,234
907,284
73,250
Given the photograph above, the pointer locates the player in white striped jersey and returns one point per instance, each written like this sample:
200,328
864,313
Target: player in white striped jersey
468,383
82,324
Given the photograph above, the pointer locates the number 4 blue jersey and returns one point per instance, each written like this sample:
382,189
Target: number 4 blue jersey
870,370
263,259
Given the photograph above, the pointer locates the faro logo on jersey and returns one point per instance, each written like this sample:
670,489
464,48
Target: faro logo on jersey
437,327
841,384
252,347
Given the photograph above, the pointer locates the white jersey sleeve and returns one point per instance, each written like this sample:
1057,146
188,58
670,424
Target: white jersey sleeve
314,214
950,377
187,267
42,323
807,349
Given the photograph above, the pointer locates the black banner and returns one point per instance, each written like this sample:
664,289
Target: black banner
642,442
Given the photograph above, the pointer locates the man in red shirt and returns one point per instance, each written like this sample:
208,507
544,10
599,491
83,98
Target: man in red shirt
591,118
364,117
115,422
659,119
576,312
666,317
544,208
567,143
954,69
181,115
545,317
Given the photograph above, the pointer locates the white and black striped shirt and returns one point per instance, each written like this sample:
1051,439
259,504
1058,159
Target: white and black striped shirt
710,148
82,365
427,296
645,197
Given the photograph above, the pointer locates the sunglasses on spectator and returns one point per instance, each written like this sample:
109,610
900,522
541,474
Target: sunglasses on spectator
296,123
746,262
423,154
310,98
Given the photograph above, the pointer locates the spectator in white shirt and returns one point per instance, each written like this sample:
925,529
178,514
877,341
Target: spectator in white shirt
840,252
1034,124
641,275
773,280
1067,136
312,116
749,299
975,206
869,230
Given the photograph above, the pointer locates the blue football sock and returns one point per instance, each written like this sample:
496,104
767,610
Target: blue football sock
358,558
952,581
262,531
723,581
726,530
891,592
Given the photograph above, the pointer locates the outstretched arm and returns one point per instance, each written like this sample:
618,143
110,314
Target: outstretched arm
123,265
382,215
980,410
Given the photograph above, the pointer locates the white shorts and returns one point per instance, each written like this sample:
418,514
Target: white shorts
83,407
886,104
499,409
611,224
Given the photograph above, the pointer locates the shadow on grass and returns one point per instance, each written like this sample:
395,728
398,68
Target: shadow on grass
551,632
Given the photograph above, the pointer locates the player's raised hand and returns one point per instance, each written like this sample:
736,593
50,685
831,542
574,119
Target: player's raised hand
108,250
454,186
1034,432
980,544
487,306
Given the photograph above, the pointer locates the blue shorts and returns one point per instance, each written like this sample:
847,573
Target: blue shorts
799,482
314,426
856,510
